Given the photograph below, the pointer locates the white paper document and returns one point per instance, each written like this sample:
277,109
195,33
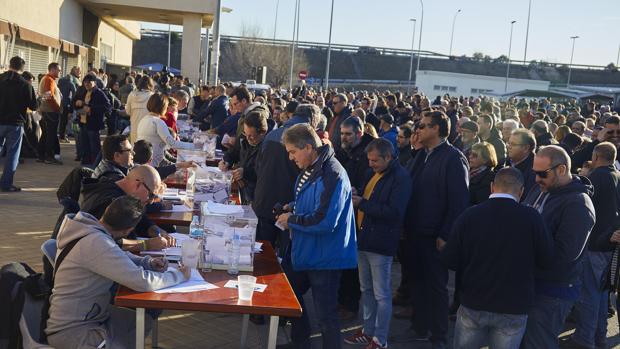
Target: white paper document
194,284
235,284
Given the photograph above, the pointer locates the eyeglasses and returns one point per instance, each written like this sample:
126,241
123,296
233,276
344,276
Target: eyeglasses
128,150
545,173
151,194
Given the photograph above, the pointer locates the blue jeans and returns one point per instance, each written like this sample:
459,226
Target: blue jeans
324,285
11,138
476,328
375,284
545,322
591,307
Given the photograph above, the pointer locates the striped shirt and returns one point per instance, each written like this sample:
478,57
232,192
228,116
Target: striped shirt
302,180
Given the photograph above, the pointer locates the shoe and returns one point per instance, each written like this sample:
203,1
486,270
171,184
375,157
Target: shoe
358,338
346,315
53,162
406,313
64,139
11,189
40,160
257,319
374,344
409,336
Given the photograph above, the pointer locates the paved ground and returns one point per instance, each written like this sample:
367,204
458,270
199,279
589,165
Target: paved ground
27,219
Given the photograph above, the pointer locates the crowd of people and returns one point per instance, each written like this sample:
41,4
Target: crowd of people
519,197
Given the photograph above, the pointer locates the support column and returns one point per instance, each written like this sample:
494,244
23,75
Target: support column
204,73
190,49
215,53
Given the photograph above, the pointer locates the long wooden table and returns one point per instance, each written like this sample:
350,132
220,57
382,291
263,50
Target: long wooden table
173,218
277,300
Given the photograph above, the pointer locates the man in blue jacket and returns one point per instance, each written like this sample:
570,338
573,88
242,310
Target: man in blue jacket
564,202
322,233
97,105
380,213
439,195
212,115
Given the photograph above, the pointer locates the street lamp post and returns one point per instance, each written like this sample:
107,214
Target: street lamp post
512,24
411,60
275,23
329,47
419,41
618,58
452,35
527,31
295,26
570,66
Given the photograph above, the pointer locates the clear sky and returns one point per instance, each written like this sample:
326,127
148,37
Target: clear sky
482,26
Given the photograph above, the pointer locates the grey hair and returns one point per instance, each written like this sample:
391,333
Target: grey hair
512,122
525,137
301,135
310,112
180,94
540,126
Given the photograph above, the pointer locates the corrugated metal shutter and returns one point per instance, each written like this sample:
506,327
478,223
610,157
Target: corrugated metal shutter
21,49
72,61
39,59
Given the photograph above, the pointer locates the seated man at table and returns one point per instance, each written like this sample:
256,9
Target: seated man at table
142,182
322,233
117,159
143,155
80,313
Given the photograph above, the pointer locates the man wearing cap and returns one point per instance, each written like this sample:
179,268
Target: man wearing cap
468,137
388,130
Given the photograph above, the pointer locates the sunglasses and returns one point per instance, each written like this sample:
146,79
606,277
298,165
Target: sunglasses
545,173
151,194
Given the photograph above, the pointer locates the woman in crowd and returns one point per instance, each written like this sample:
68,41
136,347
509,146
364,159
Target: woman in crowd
482,163
154,130
136,104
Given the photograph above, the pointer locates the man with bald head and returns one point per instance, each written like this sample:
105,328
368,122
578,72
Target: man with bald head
142,182
564,202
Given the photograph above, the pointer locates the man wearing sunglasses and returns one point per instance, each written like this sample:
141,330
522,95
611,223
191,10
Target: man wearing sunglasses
564,202
117,159
142,182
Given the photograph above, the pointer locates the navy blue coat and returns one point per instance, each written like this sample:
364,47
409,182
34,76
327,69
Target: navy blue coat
99,105
384,211
569,215
440,191
217,109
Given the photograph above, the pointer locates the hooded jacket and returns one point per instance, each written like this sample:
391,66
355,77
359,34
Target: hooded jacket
16,95
136,108
83,281
569,215
322,224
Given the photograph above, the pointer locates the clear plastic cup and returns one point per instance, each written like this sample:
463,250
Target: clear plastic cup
246,284
190,253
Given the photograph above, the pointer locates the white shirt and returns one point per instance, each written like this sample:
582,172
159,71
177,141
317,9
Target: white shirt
154,130
502,196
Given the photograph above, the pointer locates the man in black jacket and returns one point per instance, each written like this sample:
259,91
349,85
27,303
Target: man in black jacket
565,204
591,307
496,246
276,176
521,146
16,95
380,214
342,110
352,153
242,157
440,177
610,132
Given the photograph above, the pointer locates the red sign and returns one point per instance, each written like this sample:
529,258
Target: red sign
303,75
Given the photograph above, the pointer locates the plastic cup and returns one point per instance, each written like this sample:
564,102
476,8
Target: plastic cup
246,284
190,253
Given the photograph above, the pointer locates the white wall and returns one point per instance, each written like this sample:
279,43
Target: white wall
462,84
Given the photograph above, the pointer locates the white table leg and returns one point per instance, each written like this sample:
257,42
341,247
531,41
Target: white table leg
155,334
273,332
244,330
139,328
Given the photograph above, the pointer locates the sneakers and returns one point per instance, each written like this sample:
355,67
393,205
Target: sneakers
53,162
11,189
359,338
374,344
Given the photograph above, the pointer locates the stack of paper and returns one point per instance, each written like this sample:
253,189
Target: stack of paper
194,284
